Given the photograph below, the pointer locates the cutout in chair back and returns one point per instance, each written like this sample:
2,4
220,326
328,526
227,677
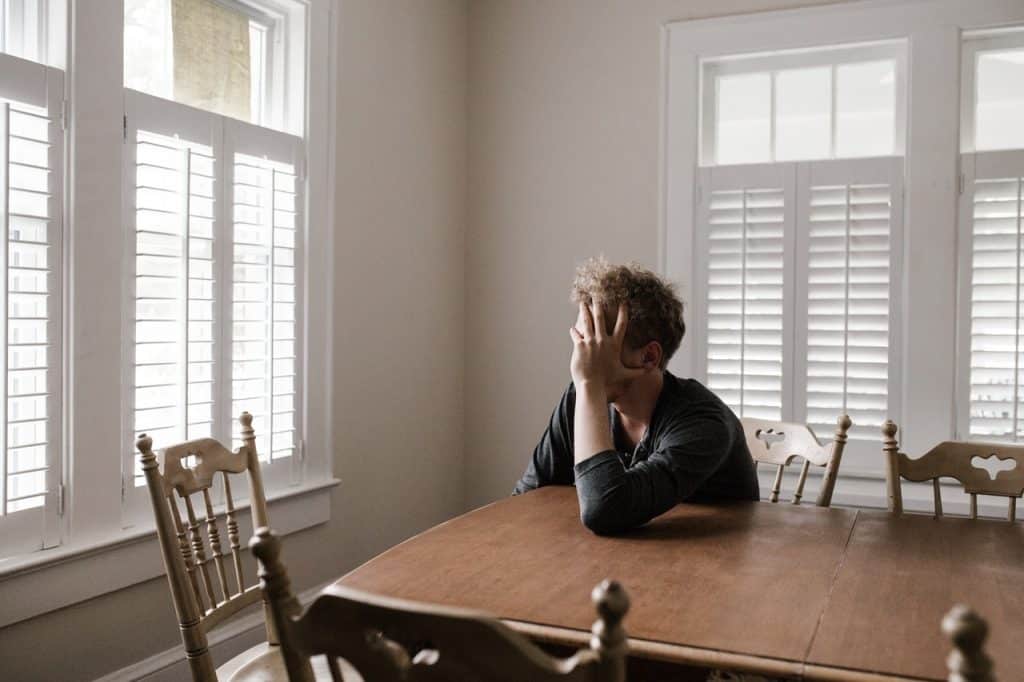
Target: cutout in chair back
770,437
993,464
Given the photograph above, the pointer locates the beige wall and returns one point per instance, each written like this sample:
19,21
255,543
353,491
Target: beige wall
398,289
564,163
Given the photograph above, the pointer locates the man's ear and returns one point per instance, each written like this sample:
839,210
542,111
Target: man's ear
652,354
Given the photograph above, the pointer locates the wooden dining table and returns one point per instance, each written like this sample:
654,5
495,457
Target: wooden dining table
775,589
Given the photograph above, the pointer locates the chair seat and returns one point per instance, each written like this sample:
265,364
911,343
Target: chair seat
264,663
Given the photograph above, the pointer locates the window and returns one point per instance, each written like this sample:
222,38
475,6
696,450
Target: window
799,259
24,28
216,228
991,227
225,56
31,163
834,103
191,230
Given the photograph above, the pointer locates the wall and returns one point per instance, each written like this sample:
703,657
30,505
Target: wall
398,315
564,102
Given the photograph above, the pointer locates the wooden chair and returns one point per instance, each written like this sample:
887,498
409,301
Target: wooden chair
779,443
450,644
954,459
967,662
206,589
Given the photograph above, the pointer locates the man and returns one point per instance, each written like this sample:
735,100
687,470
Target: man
633,438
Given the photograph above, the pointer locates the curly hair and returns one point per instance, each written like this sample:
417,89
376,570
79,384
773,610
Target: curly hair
655,311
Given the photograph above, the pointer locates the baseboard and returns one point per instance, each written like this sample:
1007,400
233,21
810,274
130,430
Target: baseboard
225,642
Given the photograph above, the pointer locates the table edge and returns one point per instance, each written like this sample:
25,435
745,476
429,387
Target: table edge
661,651
711,658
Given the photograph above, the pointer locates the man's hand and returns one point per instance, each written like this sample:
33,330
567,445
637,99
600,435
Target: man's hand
596,356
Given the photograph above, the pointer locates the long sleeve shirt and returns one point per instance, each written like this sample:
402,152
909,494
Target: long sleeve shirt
693,450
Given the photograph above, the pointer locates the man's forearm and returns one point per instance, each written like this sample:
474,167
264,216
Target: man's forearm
592,431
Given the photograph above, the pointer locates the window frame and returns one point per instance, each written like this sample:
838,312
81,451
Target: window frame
993,163
92,531
226,136
974,43
770,63
49,29
283,101
933,33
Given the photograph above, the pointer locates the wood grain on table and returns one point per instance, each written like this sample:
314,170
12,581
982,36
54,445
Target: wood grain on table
748,577
900,576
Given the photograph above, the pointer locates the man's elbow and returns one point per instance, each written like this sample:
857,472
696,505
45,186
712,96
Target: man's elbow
601,519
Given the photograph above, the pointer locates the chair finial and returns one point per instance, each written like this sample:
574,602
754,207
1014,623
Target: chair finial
968,661
145,447
612,603
844,422
265,546
889,429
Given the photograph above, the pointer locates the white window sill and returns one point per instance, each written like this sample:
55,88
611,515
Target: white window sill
43,581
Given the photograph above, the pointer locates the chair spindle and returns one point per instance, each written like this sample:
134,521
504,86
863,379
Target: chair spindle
968,661
1012,513
937,492
199,551
777,485
799,492
232,525
214,534
186,552
335,668
974,505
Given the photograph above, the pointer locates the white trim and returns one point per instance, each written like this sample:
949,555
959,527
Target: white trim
225,642
38,583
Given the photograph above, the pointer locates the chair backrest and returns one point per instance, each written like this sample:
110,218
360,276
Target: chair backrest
967,662
779,443
387,640
954,459
206,589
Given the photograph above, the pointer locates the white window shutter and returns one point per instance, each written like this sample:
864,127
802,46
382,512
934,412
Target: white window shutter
215,212
31,172
848,250
992,228
266,210
172,186
745,221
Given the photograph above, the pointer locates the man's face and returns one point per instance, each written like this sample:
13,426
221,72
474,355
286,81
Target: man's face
630,357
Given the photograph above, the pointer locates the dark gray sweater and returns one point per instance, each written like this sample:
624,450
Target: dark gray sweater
694,450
